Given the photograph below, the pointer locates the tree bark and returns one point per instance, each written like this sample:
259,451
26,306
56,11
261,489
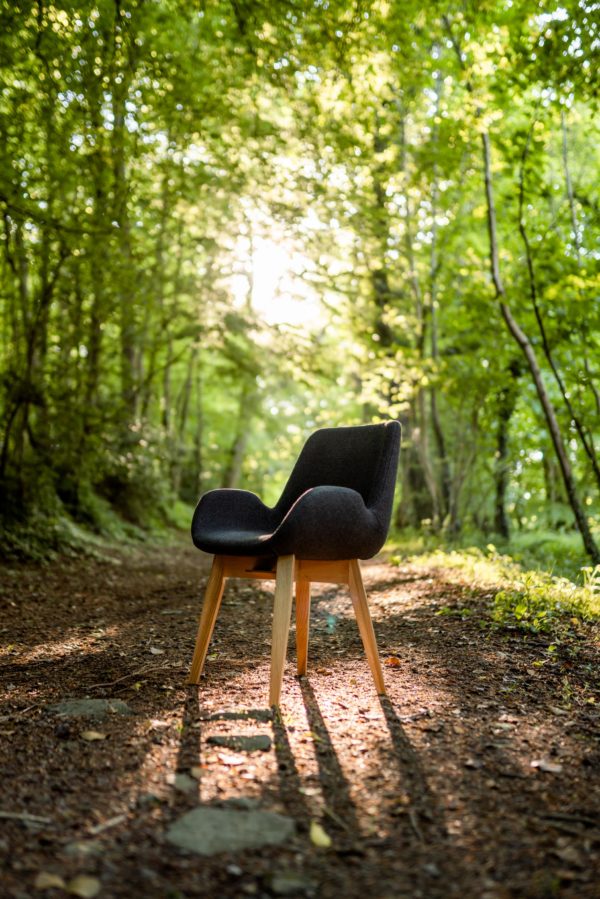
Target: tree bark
421,431
527,349
122,71
445,476
235,456
585,437
507,400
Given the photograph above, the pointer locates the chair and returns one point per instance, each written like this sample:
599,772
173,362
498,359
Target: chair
335,509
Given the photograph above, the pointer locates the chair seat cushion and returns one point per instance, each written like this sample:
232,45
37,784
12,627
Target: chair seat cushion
232,541
326,522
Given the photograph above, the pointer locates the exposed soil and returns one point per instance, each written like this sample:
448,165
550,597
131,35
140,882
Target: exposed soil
478,775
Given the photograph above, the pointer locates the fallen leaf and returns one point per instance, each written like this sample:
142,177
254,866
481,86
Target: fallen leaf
393,662
46,881
310,791
570,855
106,825
155,651
232,758
158,724
84,886
196,772
319,836
545,765
566,874
92,735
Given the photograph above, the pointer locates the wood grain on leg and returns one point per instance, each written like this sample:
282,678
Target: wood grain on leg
302,623
365,625
210,610
282,611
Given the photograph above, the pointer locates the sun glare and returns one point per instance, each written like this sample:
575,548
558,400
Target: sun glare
272,274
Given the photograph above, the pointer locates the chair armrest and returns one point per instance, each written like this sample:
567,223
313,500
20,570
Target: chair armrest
227,508
330,523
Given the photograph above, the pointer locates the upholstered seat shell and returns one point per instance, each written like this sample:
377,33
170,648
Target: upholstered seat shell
337,502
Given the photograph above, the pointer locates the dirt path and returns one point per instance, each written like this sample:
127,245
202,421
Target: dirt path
478,776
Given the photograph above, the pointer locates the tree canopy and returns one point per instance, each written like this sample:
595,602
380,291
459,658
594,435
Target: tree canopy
226,224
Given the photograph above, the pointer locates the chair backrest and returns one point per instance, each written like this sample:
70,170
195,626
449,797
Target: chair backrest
364,458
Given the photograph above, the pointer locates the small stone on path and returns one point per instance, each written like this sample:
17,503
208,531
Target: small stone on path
208,831
183,782
83,848
242,743
90,708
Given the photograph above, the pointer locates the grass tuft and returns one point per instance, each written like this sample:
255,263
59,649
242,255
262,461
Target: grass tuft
529,598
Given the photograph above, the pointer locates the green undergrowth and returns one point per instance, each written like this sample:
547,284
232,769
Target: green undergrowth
44,536
522,594
558,553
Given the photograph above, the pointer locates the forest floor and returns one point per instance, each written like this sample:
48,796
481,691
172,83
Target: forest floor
478,775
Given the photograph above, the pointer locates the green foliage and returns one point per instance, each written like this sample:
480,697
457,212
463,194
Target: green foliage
557,553
540,602
152,157
529,597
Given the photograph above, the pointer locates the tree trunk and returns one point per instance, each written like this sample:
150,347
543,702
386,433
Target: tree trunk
421,432
181,419
445,476
523,341
415,506
125,283
585,437
507,400
235,456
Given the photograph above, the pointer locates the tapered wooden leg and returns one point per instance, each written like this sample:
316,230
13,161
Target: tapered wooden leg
210,610
282,611
302,623
365,625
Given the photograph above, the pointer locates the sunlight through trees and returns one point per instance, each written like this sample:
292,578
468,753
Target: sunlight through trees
224,225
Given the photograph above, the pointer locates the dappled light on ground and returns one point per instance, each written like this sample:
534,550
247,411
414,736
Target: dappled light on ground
474,776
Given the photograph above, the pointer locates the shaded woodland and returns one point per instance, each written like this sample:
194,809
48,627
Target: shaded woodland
226,224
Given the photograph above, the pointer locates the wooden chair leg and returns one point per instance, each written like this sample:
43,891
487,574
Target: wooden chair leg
365,625
302,623
282,612
210,610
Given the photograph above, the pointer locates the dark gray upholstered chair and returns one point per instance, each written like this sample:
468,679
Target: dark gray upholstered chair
334,510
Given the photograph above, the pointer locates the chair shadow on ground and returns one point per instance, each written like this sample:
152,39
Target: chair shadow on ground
418,835
188,753
425,815
339,805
